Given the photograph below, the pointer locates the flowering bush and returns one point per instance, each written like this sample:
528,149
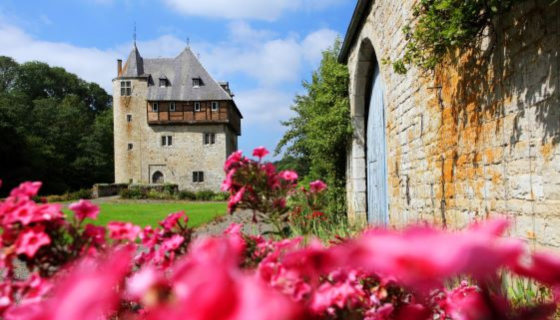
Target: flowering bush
259,187
81,271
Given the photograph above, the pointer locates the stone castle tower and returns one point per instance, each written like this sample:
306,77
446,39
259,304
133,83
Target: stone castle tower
173,123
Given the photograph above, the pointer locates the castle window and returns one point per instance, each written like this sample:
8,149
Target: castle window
198,176
172,106
155,107
166,141
130,146
197,106
215,105
209,138
128,118
126,88
197,82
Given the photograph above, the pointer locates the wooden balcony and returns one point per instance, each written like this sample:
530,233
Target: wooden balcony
186,113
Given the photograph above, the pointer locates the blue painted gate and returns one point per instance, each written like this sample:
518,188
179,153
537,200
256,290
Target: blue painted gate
376,156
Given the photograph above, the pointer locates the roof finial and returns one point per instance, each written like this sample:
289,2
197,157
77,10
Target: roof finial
134,36
188,42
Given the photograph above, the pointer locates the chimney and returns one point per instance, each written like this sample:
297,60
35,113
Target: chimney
119,66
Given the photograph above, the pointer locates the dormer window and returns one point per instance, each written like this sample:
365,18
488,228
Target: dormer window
155,107
163,83
197,82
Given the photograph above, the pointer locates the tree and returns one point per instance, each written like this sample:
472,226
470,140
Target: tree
54,127
318,134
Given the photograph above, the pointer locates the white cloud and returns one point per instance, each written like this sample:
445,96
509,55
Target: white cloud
315,43
258,55
246,9
265,107
89,63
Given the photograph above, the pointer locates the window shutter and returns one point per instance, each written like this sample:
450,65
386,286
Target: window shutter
201,176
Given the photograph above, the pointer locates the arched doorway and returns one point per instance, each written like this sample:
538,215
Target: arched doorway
157,178
376,157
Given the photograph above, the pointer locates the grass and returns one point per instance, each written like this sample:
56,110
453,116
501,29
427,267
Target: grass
144,214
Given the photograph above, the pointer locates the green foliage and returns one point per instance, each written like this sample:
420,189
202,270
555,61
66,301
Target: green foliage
205,195
441,26
317,136
168,192
70,196
186,195
55,127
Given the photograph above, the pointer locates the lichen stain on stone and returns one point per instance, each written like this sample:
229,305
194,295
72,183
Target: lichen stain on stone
470,125
547,150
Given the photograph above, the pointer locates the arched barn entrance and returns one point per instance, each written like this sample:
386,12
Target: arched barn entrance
157,178
376,161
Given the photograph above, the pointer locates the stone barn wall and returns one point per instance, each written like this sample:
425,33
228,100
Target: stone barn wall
476,138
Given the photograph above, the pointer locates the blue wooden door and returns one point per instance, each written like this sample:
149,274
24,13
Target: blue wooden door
376,156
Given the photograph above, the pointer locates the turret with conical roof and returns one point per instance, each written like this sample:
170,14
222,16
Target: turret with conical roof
134,66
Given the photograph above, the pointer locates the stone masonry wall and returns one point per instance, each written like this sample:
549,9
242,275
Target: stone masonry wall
478,137
176,162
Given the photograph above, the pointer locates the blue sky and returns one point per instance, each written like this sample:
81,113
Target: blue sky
264,48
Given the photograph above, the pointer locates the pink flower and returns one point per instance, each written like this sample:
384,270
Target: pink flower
24,213
412,259
172,243
317,186
84,209
90,292
233,160
542,267
26,190
233,201
260,152
335,295
48,212
171,220
123,231
95,233
139,285
289,175
228,182
31,240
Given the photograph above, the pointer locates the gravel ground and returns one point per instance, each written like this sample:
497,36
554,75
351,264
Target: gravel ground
244,217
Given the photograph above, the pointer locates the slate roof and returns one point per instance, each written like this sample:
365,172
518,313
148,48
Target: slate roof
180,72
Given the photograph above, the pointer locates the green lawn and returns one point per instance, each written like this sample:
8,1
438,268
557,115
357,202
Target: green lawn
144,214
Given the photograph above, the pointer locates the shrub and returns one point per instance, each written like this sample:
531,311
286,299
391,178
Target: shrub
132,193
220,196
186,195
205,195
68,196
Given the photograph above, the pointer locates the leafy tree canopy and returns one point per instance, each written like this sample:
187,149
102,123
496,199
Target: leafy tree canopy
318,134
54,127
